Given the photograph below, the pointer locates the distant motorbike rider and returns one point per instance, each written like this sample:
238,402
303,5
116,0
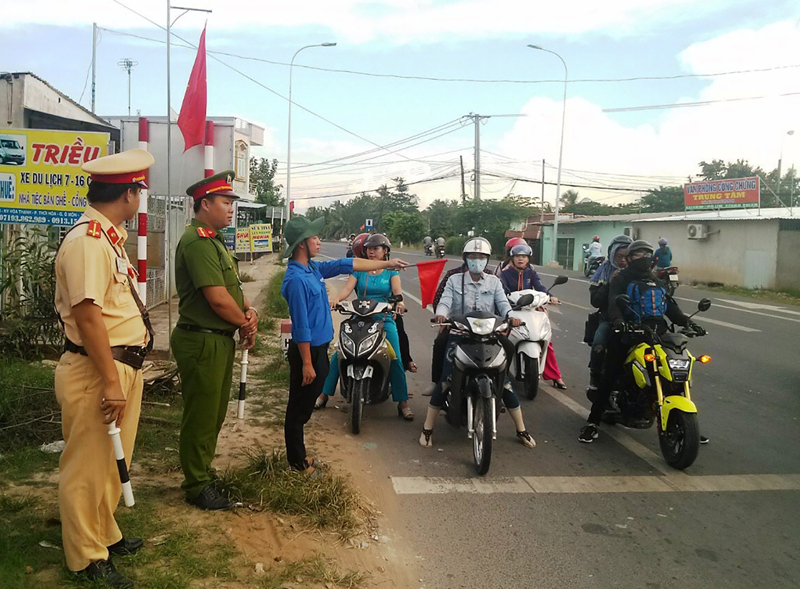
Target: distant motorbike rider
663,255
595,250
440,241
427,243
598,295
473,290
514,241
638,269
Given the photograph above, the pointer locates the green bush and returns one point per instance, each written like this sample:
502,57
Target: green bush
275,304
454,245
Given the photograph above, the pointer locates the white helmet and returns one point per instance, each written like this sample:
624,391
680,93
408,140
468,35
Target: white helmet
477,245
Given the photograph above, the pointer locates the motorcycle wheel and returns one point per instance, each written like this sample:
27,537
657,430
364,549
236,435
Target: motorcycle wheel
680,442
358,393
531,378
670,288
482,436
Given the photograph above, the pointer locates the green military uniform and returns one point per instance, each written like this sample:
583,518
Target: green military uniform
204,347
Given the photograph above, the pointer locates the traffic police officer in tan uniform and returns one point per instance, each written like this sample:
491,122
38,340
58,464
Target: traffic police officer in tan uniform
98,379
212,309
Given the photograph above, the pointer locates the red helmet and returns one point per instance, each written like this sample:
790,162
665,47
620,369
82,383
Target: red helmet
596,238
358,245
514,241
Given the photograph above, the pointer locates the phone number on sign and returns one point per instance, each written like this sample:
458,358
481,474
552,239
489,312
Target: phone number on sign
39,218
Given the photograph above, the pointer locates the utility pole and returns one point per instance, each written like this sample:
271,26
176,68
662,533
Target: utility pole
541,217
94,59
476,119
463,188
128,64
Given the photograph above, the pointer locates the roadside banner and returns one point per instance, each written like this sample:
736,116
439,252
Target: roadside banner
242,240
41,181
736,193
229,236
261,237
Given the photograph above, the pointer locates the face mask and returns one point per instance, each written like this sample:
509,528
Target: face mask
476,266
640,264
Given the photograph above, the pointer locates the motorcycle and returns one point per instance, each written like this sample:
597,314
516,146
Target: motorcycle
364,361
531,340
473,392
655,387
349,253
439,251
589,268
669,278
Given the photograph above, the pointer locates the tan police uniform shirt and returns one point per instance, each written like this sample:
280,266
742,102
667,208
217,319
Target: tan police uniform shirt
89,267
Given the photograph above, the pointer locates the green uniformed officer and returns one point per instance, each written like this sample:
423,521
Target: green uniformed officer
212,308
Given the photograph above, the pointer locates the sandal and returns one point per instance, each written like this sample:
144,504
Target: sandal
412,367
321,402
405,413
559,385
526,439
425,438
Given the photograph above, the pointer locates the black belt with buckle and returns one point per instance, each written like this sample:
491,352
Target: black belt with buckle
132,356
226,333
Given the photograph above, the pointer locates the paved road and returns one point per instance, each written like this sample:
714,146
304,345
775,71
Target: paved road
611,514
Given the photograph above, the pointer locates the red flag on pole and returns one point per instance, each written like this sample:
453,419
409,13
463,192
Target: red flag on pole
192,118
429,273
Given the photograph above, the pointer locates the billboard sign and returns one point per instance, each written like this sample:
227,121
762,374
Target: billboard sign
261,237
41,181
735,193
242,240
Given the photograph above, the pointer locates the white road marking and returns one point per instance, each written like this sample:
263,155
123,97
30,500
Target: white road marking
741,310
761,306
699,319
570,279
597,484
563,302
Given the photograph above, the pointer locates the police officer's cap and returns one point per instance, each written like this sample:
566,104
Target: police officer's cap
216,185
126,167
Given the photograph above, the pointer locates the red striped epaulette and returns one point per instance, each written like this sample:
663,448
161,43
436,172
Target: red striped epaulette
94,229
203,232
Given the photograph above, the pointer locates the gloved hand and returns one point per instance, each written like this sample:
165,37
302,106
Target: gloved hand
620,326
696,328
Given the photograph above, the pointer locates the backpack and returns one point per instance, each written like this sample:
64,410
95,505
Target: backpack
648,300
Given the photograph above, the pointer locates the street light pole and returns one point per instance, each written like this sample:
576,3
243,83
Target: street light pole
554,259
289,129
790,132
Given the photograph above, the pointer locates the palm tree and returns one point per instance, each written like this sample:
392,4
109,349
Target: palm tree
569,198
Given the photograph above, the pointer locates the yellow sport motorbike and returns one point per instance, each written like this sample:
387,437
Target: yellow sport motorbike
655,387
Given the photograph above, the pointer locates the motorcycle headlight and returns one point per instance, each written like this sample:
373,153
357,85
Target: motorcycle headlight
367,344
347,344
481,326
678,364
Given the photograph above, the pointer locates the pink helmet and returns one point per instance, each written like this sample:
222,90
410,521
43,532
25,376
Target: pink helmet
514,241
358,246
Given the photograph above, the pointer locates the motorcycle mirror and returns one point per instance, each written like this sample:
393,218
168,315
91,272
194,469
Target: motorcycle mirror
524,301
622,301
704,305
560,280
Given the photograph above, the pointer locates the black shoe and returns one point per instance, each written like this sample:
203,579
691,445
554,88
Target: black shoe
703,440
126,546
103,570
589,433
211,499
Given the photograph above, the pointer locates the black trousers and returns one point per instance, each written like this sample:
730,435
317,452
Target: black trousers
437,355
405,348
301,401
616,351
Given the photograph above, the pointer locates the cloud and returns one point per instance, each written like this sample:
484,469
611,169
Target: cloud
678,139
398,21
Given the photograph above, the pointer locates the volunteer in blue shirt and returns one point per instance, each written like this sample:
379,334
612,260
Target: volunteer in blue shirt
312,326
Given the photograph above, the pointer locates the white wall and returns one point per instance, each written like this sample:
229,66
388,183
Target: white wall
740,253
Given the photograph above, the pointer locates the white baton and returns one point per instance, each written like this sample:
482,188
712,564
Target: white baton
243,384
127,490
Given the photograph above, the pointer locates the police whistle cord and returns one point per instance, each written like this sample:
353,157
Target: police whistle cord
243,384
127,490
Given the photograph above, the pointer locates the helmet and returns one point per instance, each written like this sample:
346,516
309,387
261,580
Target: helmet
662,241
521,250
477,245
514,241
596,238
618,242
352,235
375,240
640,244
358,245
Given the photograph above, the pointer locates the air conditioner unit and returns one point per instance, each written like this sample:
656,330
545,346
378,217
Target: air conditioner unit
697,231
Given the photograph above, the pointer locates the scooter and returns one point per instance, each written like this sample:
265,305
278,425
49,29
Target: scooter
364,361
590,268
669,278
655,387
428,249
474,390
439,251
531,340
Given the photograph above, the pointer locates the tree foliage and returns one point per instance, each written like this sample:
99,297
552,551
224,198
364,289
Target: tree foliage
262,182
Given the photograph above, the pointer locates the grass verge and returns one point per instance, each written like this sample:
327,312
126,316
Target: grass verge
311,570
787,296
274,303
29,413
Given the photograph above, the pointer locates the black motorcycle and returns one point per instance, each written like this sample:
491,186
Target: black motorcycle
474,390
364,362
439,251
428,249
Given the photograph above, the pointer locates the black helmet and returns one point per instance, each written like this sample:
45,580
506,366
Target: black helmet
377,239
640,244
617,242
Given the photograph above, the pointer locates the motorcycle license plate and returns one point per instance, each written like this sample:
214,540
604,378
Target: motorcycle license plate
673,278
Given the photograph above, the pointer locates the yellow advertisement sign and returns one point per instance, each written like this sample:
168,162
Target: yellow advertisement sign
242,240
41,181
261,237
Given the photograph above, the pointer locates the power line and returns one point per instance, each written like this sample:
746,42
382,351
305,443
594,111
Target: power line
477,80
700,103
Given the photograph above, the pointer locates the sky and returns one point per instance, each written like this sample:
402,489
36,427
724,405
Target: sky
390,98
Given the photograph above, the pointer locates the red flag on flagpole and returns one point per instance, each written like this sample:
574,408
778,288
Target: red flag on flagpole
192,118
429,273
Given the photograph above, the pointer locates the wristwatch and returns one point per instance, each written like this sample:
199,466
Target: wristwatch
253,309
